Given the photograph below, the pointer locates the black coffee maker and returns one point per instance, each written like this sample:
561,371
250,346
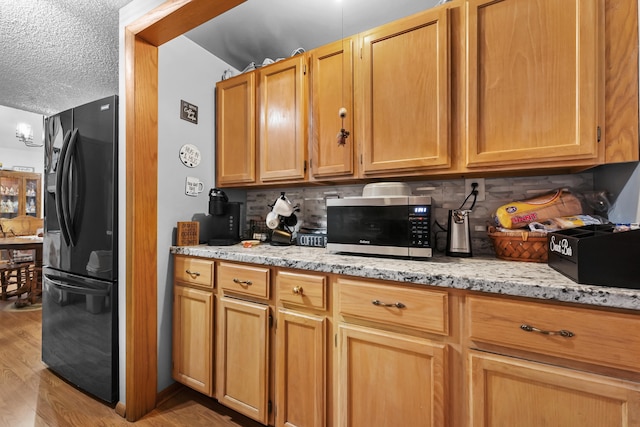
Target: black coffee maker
224,220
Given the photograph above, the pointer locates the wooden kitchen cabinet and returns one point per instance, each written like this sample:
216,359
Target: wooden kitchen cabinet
405,97
331,88
535,364
193,338
403,374
535,84
507,391
243,332
236,131
389,379
282,123
243,357
20,194
301,351
193,324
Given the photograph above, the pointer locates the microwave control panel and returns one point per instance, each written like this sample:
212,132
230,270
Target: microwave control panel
419,226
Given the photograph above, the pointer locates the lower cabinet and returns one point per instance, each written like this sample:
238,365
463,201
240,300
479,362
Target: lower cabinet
302,350
193,323
390,373
506,391
389,379
538,364
243,357
300,367
353,352
193,338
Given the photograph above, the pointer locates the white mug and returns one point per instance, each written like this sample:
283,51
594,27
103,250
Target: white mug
193,186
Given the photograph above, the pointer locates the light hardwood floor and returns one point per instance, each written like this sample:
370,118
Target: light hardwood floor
31,395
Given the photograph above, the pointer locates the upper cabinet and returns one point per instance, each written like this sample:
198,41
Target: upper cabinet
404,70
467,87
282,121
331,76
236,131
535,83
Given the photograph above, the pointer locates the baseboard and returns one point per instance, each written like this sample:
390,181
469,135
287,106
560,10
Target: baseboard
168,393
121,409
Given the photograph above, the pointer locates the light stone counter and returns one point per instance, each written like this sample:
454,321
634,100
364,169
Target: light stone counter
491,275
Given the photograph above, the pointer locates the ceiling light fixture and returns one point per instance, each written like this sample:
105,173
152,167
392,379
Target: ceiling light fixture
24,133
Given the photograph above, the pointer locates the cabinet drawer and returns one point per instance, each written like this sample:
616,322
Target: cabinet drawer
582,334
302,289
196,271
244,279
425,310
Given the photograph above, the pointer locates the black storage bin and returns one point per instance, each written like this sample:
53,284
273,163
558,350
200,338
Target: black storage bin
597,255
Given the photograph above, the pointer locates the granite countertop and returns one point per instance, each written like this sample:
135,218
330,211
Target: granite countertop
484,274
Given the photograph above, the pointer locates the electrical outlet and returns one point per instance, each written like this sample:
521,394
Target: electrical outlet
480,188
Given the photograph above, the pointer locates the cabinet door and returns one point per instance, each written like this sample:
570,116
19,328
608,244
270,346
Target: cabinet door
235,129
535,82
331,74
282,125
300,366
19,194
507,391
405,75
193,338
242,374
388,379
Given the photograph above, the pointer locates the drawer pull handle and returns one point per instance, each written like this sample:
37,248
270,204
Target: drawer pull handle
193,274
297,290
242,282
561,332
384,304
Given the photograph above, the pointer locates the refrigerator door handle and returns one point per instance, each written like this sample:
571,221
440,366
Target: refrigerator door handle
78,289
59,185
66,170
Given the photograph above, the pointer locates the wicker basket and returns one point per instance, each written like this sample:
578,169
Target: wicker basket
519,245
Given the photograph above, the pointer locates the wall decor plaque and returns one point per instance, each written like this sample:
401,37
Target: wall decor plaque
188,112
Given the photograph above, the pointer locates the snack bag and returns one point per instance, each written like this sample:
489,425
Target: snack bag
551,205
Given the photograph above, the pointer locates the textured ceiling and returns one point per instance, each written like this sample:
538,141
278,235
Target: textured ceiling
56,54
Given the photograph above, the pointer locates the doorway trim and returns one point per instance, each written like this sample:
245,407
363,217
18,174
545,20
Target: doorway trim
142,39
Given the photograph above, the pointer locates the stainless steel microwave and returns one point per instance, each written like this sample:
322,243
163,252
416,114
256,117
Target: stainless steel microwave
397,226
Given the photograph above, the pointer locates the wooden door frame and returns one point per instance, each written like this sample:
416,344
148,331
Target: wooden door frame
142,39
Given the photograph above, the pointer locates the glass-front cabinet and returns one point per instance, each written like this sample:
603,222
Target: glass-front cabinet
20,194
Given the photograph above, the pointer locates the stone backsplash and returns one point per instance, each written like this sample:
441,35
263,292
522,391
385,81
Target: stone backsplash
445,195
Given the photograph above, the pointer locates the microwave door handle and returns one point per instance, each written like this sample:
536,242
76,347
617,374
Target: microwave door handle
66,186
59,198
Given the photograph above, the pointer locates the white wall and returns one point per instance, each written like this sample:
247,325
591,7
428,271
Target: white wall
185,72
13,152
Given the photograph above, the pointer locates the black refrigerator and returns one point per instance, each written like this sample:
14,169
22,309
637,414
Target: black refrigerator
80,256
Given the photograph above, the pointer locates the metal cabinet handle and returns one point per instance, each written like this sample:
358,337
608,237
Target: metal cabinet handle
297,290
242,282
561,332
383,304
192,273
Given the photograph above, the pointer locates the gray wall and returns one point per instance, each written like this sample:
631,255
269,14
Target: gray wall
185,72
623,182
